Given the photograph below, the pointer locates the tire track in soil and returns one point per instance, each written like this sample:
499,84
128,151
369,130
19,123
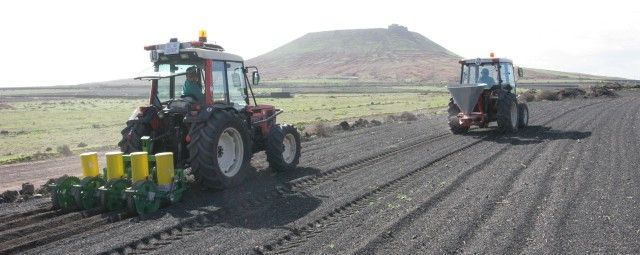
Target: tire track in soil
584,182
198,223
17,232
365,147
11,217
15,222
309,181
300,235
525,228
20,224
53,233
211,220
487,209
522,231
349,137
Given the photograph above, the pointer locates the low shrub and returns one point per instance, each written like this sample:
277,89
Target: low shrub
548,95
322,130
64,150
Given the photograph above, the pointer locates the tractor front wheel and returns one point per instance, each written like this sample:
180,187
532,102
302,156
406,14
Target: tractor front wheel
283,148
220,150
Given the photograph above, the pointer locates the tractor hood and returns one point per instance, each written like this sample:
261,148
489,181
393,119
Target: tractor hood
466,97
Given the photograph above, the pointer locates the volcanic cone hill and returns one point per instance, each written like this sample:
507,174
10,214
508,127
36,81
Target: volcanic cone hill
394,54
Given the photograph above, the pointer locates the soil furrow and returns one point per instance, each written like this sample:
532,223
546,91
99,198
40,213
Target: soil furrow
524,230
52,234
585,178
11,217
32,219
277,193
309,181
312,228
521,230
478,218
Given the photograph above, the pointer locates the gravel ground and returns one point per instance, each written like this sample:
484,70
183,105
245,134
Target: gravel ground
565,185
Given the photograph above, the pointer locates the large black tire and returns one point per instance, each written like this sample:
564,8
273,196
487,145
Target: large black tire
283,148
454,124
132,135
507,116
455,127
220,150
523,115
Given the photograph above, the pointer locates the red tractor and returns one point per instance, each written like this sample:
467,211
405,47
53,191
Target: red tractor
486,93
202,108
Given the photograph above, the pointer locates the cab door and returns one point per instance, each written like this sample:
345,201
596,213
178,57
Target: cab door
236,85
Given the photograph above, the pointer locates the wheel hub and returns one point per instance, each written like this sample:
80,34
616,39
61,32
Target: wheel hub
230,152
289,148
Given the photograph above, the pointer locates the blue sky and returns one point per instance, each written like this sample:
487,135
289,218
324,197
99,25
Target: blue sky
71,42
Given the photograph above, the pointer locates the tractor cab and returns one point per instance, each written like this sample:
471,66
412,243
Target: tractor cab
218,77
490,73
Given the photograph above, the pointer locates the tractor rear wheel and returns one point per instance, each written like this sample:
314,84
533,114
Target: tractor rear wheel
523,115
283,148
507,113
220,150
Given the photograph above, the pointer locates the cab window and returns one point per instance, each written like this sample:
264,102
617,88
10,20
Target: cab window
218,88
236,82
506,73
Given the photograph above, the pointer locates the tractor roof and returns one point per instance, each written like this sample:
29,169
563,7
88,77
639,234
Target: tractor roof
485,60
200,49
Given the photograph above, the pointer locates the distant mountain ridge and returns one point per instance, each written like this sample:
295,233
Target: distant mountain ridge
394,54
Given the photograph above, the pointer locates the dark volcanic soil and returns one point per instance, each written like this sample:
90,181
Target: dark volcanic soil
568,184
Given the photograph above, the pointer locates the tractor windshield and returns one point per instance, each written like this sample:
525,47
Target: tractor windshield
171,81
486,73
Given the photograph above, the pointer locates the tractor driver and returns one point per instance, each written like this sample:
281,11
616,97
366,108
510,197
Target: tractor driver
485,78
192,86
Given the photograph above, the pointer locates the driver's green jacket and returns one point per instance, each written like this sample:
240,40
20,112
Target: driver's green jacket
192,89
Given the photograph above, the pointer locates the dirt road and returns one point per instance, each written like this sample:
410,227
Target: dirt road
566,185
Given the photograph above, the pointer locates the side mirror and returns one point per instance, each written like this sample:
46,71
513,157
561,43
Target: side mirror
520,72
256,77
